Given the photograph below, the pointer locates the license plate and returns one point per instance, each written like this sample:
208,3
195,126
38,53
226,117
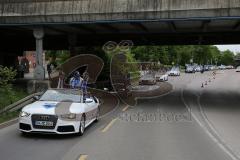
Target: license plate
43,123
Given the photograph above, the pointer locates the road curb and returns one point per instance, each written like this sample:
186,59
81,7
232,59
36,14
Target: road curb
8,123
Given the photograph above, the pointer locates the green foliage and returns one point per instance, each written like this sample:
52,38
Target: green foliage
132,65
237,56
8,116
49,54
62,56
6,78
16,94
59,56
181,55
6,75
227,58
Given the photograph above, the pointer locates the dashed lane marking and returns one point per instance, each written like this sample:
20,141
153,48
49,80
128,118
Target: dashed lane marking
83,157
109,125
125,108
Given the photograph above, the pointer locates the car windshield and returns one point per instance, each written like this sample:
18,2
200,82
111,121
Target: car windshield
175,69
147,77
63,95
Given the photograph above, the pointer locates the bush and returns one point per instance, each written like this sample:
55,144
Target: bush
7,76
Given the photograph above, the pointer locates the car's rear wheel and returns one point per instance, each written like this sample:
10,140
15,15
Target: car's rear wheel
82,125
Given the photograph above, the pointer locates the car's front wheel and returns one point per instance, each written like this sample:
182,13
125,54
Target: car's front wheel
82,126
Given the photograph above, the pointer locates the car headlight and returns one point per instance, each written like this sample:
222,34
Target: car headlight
68,116
24,114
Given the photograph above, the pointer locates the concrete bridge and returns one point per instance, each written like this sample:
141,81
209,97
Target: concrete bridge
145,21
66,24
92,11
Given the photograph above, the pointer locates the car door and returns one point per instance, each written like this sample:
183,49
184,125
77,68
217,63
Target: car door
90,109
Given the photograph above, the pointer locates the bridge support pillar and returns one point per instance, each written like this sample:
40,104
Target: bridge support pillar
39,72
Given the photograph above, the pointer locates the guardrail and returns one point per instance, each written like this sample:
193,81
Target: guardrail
21,103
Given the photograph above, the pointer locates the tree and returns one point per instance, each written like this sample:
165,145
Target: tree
237,56
227,57
215,55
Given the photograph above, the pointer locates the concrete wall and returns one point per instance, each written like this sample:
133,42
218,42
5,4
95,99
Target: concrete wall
42,11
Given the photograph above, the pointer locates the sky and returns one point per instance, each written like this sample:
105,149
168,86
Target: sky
233,48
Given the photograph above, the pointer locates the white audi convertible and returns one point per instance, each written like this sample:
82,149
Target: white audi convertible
60,111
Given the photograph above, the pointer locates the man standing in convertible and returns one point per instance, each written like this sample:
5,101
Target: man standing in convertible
76,80
84,84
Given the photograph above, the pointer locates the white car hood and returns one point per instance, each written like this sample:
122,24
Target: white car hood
163,76
49,107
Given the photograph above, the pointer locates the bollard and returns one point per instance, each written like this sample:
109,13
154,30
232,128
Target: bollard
209,80
206,83
202,85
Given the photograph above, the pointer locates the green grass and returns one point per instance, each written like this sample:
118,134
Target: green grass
5,99
8,116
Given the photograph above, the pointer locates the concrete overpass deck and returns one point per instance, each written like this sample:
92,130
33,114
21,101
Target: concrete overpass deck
93,22
71,23
185,31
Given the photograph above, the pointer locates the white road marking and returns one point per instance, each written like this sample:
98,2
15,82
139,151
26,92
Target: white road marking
125,108
83,157
216,140
109,125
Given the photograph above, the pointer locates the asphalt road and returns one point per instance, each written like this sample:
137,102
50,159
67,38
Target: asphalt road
158,128
220,104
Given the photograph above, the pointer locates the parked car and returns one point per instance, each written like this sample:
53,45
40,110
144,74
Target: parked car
229,67
222,67
190,69
206,68
211,67
238,69
175,71
161,77
148,79
198,68
59,111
